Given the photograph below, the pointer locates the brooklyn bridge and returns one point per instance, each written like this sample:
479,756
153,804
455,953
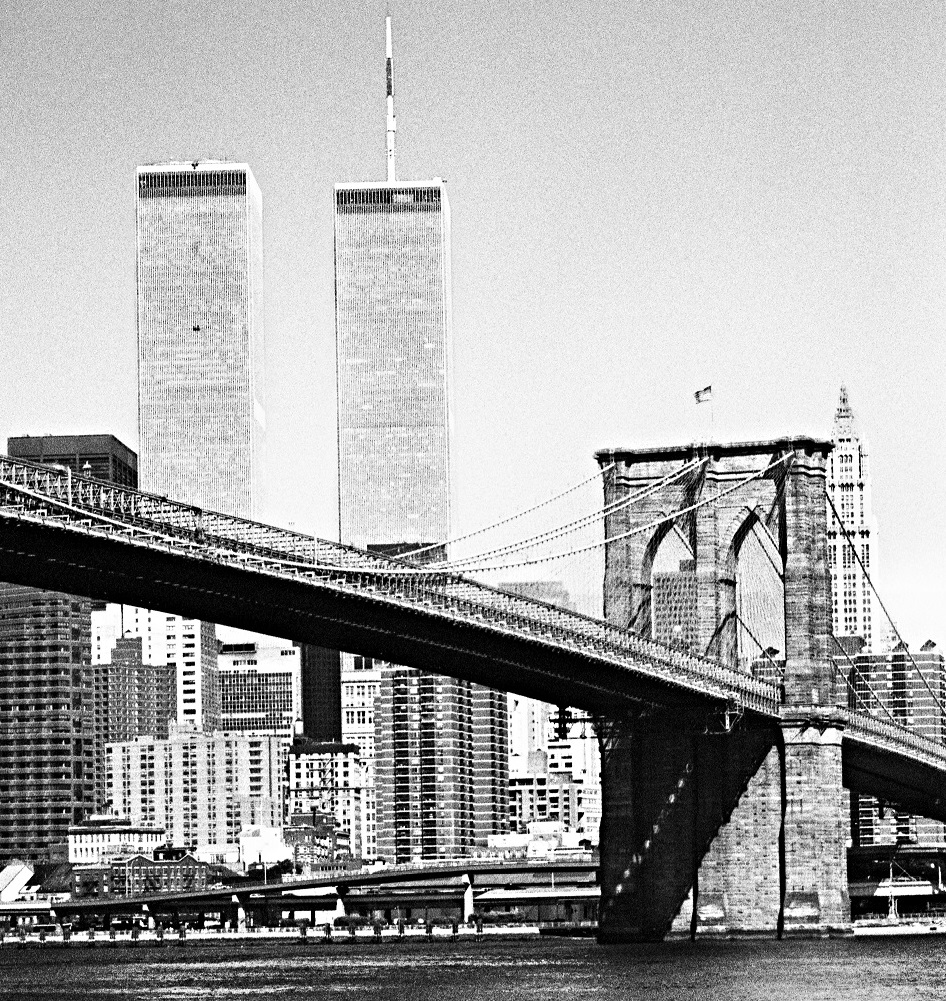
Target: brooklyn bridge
724,778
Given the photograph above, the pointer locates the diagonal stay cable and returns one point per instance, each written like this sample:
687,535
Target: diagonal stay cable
867,684
893,625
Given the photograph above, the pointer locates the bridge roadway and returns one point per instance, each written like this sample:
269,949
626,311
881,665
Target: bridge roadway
68,533
215,898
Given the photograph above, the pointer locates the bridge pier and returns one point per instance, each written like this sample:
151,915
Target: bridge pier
238,914
739,832
468,908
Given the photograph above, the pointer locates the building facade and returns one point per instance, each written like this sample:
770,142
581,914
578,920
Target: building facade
393,343
441,765
202,788
910,689
360,686
200,334
855,608
260,688
328,780
102,838
188,647
130,698
100,456
47,728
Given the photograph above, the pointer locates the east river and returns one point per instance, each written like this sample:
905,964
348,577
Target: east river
528,970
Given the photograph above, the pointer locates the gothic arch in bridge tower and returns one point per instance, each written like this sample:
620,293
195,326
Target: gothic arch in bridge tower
751,571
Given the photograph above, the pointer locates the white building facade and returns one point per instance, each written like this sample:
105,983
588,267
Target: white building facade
853,549
203,788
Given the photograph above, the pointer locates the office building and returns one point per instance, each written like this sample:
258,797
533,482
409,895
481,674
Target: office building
47,727
202,788
200,334
100,456
856,611
393,329
201,362
260,688
393,346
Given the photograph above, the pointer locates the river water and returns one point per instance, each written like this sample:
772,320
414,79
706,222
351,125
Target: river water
551,970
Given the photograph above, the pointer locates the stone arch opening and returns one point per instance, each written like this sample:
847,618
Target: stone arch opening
670,571
756,566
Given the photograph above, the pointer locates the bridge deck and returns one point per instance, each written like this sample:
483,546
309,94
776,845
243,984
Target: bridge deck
82,536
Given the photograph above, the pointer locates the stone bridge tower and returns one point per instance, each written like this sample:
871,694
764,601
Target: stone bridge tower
725,821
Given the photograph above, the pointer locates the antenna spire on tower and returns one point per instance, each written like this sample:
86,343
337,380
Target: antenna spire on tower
392,121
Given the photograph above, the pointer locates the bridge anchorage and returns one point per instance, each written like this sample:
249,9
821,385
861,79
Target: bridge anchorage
729,743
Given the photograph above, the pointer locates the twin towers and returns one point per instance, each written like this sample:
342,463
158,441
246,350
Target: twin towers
201,366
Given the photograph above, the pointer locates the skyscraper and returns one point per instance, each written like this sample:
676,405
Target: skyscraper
393,336
849,487
393,343
200,334
200,367
47,696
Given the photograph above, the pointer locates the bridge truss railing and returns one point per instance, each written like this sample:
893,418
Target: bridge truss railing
880,732
60,495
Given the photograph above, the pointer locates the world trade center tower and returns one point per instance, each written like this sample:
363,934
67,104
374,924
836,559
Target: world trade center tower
435,788
393,334
200,335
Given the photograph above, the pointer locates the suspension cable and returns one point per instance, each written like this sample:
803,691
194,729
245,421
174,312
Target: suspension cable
640,529
893,625
512,517
581,522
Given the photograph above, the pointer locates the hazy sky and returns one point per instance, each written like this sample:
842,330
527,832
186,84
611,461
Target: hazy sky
647,198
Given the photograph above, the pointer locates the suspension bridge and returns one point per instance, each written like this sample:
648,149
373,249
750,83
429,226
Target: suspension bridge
728,726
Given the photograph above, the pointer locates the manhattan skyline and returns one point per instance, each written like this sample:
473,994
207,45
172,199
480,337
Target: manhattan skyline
645,201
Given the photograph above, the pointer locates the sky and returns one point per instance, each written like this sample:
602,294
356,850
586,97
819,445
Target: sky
647,198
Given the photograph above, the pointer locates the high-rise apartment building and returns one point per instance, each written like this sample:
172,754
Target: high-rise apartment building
46,733
203,788
200,334
187,646
130,698
47,693
856,612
